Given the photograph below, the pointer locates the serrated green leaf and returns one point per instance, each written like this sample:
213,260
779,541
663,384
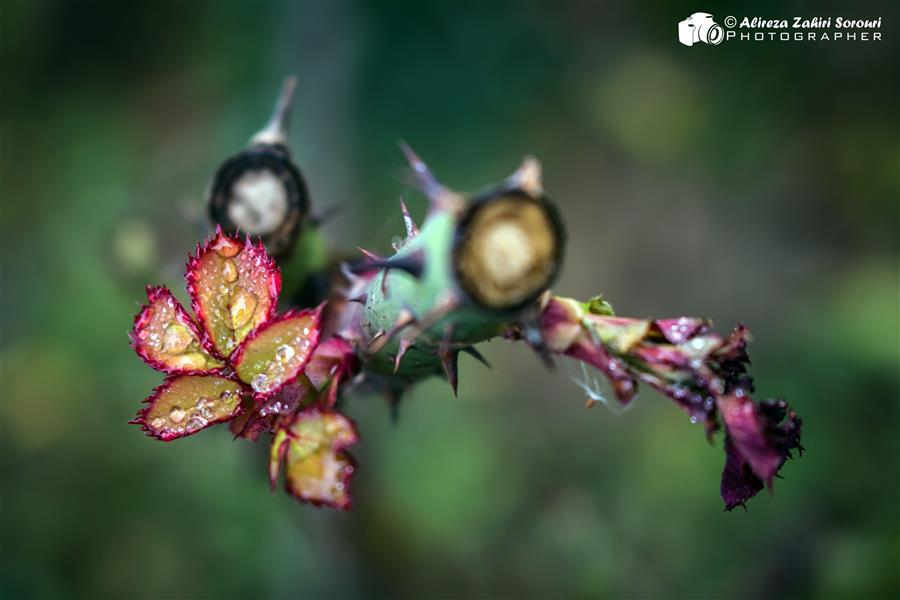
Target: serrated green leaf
185,404
166,337
318,470
278,351
234,288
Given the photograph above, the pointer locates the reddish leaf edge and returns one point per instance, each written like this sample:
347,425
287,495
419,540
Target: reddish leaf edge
141,416
190,279
338,449
154,293
315,335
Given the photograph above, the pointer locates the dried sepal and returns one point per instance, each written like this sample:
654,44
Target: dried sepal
317,468
166,337
234,288
277,352
332,362
703,372
185,404
760,438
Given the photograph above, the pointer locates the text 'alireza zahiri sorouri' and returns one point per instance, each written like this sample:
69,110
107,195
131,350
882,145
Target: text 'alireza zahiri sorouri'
802,29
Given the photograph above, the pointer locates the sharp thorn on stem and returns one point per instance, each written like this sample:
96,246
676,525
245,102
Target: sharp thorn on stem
474,353
450,362
411,229
404,346
276,130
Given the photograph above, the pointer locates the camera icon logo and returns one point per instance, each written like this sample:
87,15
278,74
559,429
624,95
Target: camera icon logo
700,27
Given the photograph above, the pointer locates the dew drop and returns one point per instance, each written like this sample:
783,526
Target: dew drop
243,303
284,353
157,423
192,361
176,415
196,423
176,339
229,271
258,383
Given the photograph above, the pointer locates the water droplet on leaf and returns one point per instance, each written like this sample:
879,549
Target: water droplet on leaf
258,383
176,415
176,339
242,306
284,353
229,271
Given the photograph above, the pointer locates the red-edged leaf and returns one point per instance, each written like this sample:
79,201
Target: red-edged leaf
317,470
277,352
234,287
166,337
185,404
276,455
332,362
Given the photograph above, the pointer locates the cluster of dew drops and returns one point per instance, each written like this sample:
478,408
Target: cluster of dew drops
284,356
194,418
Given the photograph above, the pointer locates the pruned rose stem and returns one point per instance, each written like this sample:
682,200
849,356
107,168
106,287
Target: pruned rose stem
478,268
474,267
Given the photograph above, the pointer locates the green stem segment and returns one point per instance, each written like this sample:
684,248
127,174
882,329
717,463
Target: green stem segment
475,267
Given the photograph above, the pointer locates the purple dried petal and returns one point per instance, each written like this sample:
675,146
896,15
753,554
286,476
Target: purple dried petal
739,483
678,331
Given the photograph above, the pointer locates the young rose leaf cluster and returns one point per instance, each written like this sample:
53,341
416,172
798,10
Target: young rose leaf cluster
236,360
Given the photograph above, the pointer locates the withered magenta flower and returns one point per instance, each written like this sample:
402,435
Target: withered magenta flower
704,373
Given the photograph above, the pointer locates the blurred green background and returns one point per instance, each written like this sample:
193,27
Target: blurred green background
753,182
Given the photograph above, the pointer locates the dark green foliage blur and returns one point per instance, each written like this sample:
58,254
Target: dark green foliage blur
744,182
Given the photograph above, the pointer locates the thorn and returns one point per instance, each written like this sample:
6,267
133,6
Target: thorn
411,229
425,180
413,264
371,256
393,398
275,131
384,287
446,339
361,299
528,177
450,362
474,353
439,196
404,319
404,346
535,339
378,334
